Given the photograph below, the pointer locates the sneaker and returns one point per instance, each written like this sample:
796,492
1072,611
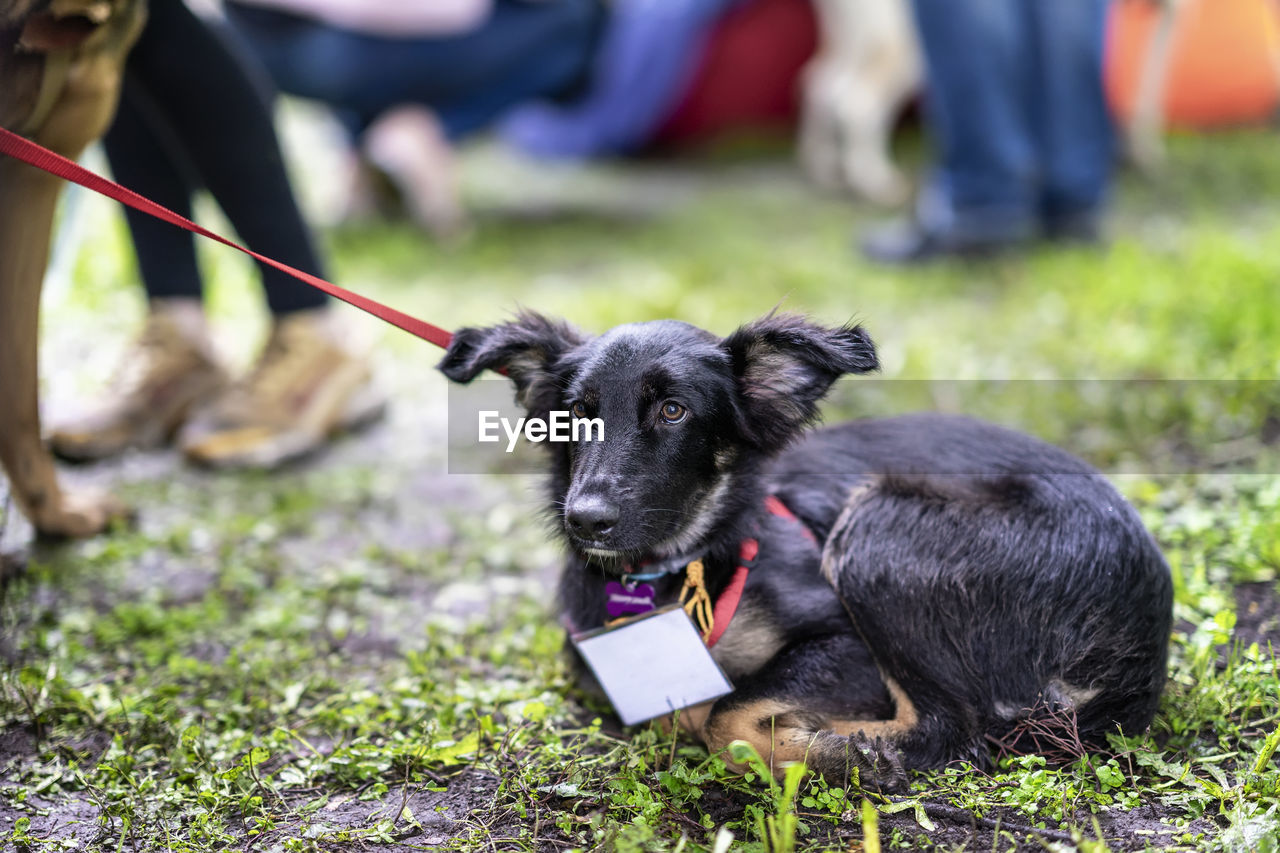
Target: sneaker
907,242
162,378
304,390
1077,228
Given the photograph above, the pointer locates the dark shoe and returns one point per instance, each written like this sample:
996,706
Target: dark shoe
1083,228
909,242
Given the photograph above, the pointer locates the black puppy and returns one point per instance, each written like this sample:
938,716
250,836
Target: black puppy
931,582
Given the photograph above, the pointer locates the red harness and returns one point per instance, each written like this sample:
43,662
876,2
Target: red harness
727,604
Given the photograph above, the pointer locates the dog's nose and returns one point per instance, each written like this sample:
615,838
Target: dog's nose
592,517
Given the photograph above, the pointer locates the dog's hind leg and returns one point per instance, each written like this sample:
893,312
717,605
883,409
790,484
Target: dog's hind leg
27,200
986,596
823,703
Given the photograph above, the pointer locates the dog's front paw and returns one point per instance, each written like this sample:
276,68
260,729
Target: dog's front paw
78,513
878,762
874,764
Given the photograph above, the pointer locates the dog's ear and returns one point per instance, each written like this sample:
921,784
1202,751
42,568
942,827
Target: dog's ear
525,350
784,365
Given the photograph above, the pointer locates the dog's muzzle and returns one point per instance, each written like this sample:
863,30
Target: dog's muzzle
591,518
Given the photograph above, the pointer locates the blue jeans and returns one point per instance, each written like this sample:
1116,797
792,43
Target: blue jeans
1016,102
649,52
523,51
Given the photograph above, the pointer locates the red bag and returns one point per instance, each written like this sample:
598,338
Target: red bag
749,75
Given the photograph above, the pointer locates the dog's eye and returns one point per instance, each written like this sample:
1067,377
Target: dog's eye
578,409
673,413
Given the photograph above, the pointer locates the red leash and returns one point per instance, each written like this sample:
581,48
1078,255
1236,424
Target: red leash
42,158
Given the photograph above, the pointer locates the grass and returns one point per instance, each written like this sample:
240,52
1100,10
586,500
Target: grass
360,652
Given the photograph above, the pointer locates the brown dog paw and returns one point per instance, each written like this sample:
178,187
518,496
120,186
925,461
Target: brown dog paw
79,513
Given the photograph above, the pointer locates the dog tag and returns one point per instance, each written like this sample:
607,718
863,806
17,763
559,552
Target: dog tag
653,665
624,602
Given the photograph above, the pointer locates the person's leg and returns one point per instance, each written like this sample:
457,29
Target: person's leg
1074,131
522,51
647,55
219,117
146,158
308,58
170,369
976,57
405,100
306,384
983,192
528,52
408,145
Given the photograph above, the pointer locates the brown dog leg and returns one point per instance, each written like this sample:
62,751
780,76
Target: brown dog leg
27,199
85,102
786,732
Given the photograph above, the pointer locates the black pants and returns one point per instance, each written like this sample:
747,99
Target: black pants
193,114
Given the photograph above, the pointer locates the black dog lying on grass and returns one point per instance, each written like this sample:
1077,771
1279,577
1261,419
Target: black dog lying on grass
927,583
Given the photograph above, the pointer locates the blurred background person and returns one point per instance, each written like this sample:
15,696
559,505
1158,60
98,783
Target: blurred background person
410,79
648,55
558,79
191,116
1025,142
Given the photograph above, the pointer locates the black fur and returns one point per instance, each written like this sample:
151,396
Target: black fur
981,571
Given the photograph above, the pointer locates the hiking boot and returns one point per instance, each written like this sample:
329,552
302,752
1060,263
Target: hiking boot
303,390
164,375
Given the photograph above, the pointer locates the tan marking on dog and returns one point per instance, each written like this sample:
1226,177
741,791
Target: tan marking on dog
767,725
757,723
1007,711
750,641
701,520
530,367
905,718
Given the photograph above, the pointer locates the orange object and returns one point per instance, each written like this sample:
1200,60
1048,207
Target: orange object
1224,60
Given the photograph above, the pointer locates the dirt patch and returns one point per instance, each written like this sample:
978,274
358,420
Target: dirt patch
1258,614
1141,828
407,818
69,817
